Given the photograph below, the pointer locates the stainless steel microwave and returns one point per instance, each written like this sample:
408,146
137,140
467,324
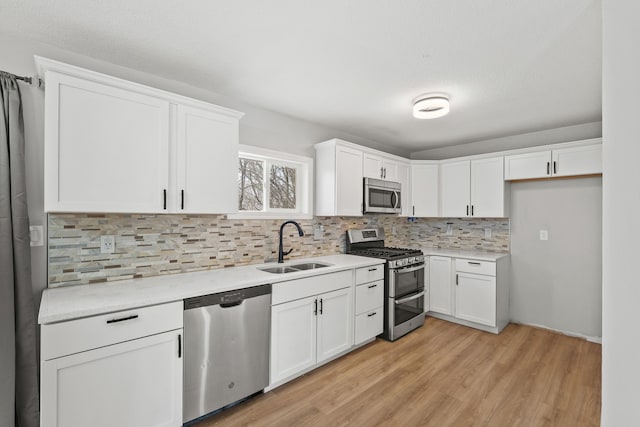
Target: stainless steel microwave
381,196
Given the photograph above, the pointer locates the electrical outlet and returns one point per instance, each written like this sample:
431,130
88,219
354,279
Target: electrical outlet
544,235
449,230
318,232
394,229
107,244
36,235
487,233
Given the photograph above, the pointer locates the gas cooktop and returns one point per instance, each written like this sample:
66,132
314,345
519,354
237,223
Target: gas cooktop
386,253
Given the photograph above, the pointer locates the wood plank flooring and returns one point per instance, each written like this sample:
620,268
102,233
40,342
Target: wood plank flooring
442,374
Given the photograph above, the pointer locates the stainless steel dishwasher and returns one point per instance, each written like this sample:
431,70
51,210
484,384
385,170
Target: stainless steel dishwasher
226,348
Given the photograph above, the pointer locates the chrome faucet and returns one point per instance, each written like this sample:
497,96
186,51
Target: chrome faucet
281,253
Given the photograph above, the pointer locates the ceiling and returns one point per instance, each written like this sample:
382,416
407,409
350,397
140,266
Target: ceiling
508,66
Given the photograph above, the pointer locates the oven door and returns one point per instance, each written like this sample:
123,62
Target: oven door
406,280
408,307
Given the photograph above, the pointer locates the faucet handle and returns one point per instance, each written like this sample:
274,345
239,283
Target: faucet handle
287,252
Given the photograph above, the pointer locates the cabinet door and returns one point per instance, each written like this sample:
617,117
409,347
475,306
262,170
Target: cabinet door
425,190
527,165
390,170
335,323
293,337
348,182
583,160
106,149
440,285
476,298
404,178
487,188
455,189
372,166
135,383
207,164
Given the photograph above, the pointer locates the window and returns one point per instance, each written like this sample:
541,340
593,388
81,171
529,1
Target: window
273,184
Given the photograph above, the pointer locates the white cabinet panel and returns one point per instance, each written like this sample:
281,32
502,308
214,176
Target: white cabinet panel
425,190
404,178
487,188
368,325
379,167
476,298
390,169
527,165
440,289
335,323
293,337
455,189
348,186
106,149
135,383
581,160
207,163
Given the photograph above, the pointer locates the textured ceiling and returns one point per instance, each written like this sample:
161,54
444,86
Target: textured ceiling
509,66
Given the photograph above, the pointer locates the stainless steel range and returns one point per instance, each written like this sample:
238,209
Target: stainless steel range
403,278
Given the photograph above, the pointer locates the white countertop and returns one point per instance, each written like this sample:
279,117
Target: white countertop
458,253
71,302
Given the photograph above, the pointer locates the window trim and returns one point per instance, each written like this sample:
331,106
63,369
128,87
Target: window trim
304,186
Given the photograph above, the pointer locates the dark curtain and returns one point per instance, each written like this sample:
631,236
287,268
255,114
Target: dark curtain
19,396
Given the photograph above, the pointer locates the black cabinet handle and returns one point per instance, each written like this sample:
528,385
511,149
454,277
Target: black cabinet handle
179,346
548,165
473,263
372,269
554,168
414,211
315,309
164,199
371,314
471,210
456,280
320,305
122,319
371,286
467,210
181,199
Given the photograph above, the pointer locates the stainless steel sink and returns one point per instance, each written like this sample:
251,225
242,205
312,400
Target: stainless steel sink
279,270
293,268
309,266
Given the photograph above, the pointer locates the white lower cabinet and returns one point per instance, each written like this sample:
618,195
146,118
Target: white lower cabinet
470,292
369,305
309,326
440,291
135,382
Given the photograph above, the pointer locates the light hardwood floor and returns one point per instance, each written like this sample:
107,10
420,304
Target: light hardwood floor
441,375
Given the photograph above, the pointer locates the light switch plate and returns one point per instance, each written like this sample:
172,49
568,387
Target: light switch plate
36,235
487,233
544,235
107,244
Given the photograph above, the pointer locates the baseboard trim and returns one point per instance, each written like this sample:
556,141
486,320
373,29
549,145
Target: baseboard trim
590,338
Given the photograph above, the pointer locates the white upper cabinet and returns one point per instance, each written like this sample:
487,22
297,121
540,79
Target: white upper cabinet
379,167
572,161
338,179
473,188
106,149
404,178
582,159
425,190
455,180
205,184
117,146
487,188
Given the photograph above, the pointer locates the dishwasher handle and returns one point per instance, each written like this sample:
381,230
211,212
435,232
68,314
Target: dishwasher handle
232,304
226,299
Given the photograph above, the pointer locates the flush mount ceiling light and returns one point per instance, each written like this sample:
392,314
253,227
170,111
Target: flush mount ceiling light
430,106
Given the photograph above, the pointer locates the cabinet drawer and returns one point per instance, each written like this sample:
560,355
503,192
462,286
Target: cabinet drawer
369,274
473,266
368,325
74,336
369,296
309,286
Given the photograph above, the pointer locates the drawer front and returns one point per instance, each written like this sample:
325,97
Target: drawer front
369,274
309,286
74,336
369,296
369,325
474,266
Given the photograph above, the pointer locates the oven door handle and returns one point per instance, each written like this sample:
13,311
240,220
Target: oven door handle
411,298
408,270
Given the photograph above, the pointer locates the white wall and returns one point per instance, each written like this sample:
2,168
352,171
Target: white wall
532,139
621,203
557,283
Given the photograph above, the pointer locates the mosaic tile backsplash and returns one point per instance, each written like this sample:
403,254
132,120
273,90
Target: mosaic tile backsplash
151,245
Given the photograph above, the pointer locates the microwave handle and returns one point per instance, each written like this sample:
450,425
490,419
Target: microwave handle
396,203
